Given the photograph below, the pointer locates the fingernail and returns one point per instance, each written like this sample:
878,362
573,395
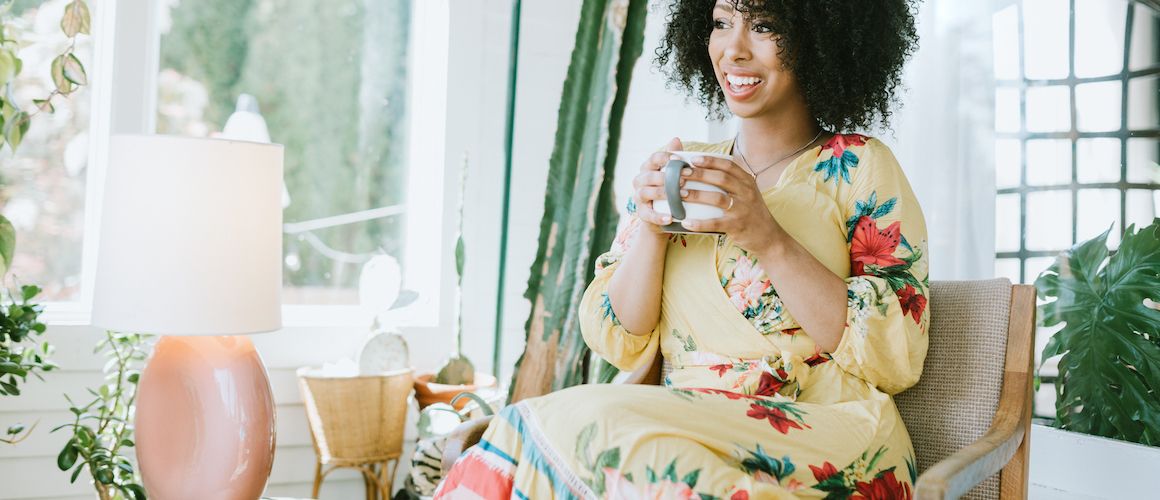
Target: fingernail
666,219
685,172
698,160
684,193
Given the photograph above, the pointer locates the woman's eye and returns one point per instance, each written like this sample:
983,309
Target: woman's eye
763,28
720,24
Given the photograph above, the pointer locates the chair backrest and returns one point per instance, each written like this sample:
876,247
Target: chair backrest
955,400
356,419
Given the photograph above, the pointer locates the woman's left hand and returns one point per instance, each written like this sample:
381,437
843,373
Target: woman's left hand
748,221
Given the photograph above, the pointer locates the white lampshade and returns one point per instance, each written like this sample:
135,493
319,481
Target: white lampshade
190,237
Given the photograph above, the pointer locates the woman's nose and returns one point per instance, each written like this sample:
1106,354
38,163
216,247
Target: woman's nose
737,45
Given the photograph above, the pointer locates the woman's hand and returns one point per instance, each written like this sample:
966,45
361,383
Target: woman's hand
649,186
747,219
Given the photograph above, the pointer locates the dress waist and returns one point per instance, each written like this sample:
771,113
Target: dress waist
783,374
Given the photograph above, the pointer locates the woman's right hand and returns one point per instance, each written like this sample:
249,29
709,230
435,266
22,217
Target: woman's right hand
649,186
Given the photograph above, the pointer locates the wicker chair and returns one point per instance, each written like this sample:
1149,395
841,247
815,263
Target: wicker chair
357,423
969,416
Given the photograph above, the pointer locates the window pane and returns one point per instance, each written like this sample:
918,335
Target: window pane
1007,223
1098,160
1048,162
1007,268
1143,106
1049,220
1143,206
1036,266
1045,37
1099,37
1097,210
1097,106
1005,34
1144,160
1145,45
1007,160
1049,109
1007,116
332,69
44,182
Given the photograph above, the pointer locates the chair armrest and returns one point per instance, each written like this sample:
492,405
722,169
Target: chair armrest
955,475
463,437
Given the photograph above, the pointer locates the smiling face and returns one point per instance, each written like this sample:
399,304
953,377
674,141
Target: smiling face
747,63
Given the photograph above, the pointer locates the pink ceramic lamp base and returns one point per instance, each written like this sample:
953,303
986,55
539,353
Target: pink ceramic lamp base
205,420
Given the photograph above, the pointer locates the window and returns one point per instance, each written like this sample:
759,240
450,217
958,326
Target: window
1077,127
1077,120
44,183
337,83
330,80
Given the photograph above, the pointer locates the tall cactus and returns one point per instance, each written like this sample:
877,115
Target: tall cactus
580,218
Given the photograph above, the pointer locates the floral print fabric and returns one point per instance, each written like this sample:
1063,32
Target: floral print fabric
752,407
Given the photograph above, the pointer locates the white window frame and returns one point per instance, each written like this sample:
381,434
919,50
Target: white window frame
123,75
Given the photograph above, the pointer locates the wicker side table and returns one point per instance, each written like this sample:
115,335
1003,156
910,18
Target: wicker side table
357,423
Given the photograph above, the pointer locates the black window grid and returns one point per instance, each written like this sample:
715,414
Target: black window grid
1125,76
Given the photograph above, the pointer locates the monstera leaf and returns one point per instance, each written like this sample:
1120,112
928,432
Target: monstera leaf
1109,375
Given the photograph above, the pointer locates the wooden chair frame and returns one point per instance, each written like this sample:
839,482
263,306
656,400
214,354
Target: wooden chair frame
1003,449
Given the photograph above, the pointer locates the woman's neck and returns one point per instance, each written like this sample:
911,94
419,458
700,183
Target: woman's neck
765,139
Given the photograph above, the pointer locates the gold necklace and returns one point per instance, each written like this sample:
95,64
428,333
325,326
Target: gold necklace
779,160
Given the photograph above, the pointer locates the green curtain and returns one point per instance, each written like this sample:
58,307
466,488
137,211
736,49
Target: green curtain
580,216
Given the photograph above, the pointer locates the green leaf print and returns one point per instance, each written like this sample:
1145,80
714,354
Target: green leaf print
687,342
609,459
582,442
691,478
760,462
671,471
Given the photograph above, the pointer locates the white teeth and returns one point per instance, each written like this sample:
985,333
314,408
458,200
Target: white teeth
739,80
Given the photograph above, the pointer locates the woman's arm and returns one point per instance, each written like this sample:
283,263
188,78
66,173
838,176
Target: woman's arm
818,297
635,287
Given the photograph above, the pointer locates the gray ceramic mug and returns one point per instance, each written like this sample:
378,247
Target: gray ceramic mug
680,209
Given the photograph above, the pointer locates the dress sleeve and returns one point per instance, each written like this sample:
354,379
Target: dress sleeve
887,315
598,323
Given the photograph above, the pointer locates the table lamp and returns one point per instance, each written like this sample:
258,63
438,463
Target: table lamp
191,250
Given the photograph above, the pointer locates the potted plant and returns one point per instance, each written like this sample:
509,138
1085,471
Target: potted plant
1108,386
457,374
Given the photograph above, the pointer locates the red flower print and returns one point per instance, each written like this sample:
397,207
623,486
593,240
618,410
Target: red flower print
791,331
840,142
883,487
740,495
722,368
824,472
777,418
912,303
768,385
871,246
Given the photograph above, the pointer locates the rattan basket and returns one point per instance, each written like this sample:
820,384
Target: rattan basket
357,422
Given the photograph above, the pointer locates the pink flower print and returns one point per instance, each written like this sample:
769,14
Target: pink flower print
747,286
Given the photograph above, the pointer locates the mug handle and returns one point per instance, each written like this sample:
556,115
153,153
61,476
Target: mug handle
673,188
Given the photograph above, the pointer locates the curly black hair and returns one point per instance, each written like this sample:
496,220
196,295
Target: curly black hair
847,55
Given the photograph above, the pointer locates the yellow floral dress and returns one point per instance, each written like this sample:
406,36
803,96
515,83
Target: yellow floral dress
752,408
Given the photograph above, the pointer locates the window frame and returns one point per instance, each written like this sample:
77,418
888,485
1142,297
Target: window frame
1073,135
123,76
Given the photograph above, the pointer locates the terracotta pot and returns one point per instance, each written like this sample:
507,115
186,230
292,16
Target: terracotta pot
428,392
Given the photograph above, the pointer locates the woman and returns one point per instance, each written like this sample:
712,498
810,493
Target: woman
786,334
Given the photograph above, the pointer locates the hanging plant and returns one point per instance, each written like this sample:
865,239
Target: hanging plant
21,352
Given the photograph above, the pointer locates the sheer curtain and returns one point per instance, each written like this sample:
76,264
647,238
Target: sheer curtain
943,135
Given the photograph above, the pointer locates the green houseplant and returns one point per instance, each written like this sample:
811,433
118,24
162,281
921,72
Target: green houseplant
1109,372
21,352
102,428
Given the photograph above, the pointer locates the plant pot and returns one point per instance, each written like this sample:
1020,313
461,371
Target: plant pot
428,392
1071,465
